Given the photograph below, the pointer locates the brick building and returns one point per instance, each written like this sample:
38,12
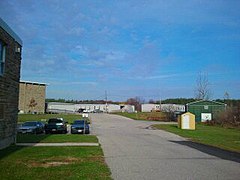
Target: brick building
10,61
32,97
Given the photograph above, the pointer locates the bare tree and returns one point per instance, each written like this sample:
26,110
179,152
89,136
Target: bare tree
226,96
202,90
136,102
169,111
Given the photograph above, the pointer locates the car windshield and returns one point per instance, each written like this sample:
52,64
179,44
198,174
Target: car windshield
78,122
29,124
55,121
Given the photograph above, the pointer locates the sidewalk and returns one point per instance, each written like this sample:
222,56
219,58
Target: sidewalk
57,144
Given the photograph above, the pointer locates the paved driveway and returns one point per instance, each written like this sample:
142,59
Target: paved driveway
134,152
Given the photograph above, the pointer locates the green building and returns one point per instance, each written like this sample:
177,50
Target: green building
205,110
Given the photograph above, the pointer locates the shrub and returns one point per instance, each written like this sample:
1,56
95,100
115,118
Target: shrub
210,123
229,117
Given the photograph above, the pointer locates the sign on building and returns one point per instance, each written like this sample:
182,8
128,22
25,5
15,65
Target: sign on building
206,117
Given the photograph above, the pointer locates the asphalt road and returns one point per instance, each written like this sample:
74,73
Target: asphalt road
132,151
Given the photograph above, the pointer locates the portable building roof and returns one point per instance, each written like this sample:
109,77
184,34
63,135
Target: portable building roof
203,102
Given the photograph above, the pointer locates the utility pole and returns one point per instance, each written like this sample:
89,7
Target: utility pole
160,102
106,101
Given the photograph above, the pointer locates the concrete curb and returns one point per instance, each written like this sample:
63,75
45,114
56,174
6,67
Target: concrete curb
57,144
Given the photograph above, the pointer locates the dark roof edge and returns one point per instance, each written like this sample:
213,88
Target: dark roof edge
31,82
10,31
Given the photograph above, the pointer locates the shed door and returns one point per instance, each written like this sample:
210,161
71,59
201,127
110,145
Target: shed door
186,122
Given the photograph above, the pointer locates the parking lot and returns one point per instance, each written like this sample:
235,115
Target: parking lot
54,125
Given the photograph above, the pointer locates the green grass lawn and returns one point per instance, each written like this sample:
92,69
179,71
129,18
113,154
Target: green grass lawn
228,139
17,162
57,138
158,116
53,163
43,117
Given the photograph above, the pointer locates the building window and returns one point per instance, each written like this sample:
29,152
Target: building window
2,57
1,111
18,48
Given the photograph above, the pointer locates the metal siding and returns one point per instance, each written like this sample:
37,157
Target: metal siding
198,108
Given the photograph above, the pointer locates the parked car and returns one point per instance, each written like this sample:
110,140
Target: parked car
33,127
56,125
97,111
87,111
80,127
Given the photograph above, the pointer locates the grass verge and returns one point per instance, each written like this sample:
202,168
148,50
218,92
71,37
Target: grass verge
228,139
157,116
18,162
55,138
53,163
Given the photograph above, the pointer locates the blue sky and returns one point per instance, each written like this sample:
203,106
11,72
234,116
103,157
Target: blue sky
147,48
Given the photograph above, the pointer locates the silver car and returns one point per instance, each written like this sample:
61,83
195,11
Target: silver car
33,127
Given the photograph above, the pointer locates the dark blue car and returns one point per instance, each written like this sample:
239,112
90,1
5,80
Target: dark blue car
80,127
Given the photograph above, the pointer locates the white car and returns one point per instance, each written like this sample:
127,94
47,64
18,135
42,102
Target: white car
87,111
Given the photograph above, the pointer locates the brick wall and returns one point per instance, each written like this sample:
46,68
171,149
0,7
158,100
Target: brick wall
32,97
9,90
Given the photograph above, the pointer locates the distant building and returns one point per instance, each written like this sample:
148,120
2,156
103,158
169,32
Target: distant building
150,107
172,108
205,110
56,107
127,108
32,97
10,62
98,107
163,107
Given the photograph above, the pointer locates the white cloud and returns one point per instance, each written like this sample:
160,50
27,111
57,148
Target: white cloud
164,76
64,83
